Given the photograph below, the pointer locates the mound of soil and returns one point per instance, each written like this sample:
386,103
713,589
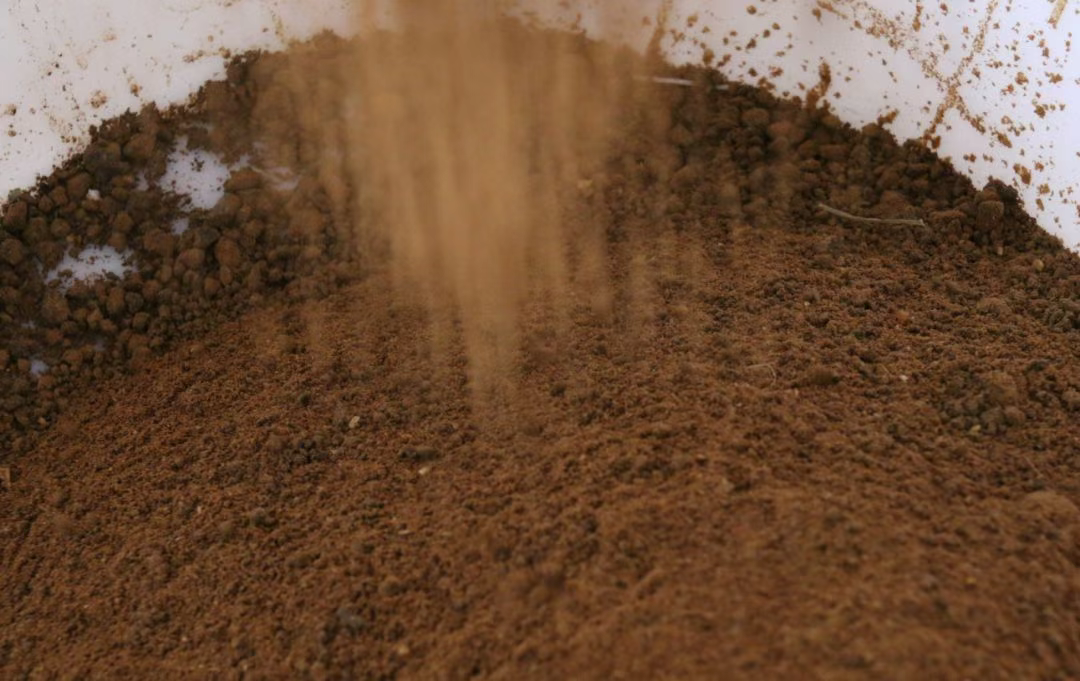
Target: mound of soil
792,445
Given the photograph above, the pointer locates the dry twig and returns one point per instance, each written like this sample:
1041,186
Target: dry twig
766,365
681,82
915,222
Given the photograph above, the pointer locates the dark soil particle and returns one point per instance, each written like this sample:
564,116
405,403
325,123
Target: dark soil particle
823,449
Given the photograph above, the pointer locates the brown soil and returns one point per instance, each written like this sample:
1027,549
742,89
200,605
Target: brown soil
761,443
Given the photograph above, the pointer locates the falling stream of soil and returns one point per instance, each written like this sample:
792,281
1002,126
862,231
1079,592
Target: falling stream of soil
568,374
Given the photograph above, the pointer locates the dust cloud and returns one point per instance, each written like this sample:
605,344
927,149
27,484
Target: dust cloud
469,132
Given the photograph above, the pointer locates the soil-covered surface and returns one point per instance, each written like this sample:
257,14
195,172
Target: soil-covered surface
792,445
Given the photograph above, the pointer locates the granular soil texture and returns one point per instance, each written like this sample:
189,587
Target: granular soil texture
792,446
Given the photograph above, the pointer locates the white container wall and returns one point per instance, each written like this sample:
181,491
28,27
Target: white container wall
992,85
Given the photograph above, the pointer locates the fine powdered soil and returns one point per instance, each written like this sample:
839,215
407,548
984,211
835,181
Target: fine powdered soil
751,439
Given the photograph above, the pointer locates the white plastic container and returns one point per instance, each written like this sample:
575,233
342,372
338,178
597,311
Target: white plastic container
991,85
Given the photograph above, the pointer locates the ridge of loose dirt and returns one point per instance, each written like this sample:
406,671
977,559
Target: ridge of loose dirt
789,447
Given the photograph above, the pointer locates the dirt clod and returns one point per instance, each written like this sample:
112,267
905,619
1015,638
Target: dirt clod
12,251
54,308
990,215
140,147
